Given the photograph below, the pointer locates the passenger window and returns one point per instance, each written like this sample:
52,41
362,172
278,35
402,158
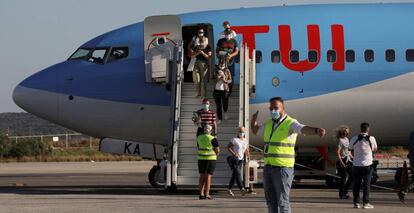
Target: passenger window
294,56
275,56
390,55
258,56
369,56
350,56
118,53
331,56
409,55
313,56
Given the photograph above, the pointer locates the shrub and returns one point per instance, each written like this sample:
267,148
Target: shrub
29,147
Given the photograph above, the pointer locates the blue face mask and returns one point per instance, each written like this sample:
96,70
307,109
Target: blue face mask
274,114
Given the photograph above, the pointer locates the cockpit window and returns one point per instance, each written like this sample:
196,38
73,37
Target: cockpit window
96,55
80,54
117,53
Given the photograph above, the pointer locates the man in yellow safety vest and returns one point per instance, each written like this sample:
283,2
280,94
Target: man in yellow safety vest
208,150
279,135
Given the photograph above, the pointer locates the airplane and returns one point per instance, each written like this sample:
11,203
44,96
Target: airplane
336,64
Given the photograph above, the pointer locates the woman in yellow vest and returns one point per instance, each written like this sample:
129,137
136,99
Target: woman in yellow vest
208,150
279,135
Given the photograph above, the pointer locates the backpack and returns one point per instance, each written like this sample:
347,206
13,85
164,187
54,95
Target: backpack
366,137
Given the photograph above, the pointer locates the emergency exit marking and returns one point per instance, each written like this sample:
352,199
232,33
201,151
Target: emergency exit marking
275,81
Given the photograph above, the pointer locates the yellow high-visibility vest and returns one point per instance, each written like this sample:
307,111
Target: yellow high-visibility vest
279,145
205,148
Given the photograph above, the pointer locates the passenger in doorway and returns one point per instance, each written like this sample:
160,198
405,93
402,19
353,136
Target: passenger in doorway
226,26
344,163
208,150
410,185
200,54
205,116
237,147
227,50
221,91
279,134
363,147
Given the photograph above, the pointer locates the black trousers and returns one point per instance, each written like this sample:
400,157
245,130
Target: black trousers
221,97
236,166
346,177
362,175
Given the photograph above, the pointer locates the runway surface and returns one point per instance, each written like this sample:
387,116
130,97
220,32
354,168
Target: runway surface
123,187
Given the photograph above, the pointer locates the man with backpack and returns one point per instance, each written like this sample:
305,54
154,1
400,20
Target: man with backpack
363,146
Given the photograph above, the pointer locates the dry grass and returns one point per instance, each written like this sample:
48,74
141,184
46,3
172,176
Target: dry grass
73,155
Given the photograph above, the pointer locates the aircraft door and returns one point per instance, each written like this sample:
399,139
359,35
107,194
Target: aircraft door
162,34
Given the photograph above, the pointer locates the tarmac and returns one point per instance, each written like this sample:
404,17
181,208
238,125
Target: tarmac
123,187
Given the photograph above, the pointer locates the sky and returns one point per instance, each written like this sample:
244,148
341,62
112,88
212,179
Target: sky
37,34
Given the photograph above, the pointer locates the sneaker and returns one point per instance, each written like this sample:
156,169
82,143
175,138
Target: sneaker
401,196
226,116
230,192
243,192
368,206
357,206
344,197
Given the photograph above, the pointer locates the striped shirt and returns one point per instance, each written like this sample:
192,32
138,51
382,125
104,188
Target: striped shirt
207,117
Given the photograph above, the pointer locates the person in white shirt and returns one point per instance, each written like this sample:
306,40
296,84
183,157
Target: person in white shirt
221,92
363,146
344,163
237,147
226,26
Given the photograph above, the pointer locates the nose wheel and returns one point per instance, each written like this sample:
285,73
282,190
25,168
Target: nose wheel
155,177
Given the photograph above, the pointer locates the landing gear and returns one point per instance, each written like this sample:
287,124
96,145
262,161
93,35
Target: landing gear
155,177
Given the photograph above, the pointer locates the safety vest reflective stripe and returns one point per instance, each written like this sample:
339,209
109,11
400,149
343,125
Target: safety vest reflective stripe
206,154
282,144
273,155
205,149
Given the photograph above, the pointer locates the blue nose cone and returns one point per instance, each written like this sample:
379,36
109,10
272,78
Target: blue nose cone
37,95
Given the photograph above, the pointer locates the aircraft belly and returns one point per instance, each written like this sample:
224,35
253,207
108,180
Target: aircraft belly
109,119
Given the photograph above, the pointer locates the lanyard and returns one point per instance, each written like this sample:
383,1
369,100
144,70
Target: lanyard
275,128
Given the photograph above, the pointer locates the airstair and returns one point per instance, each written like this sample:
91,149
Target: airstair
183,161
164,52
187,150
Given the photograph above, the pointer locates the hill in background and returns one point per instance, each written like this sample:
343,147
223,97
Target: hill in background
27,124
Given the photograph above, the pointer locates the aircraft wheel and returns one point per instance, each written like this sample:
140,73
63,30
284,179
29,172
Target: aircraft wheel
154,177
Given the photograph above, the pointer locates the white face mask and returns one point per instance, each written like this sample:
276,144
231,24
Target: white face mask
242,134
206,106
274,114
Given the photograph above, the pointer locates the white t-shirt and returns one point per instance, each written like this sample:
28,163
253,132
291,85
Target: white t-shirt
222,35
362,150
239,146
220,83
343,145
